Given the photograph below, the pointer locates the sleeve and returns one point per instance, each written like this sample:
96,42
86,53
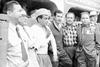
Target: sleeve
54,47
22,34
53,43
97,35
79,34
63,35
3,43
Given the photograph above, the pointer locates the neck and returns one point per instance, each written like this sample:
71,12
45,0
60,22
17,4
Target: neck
13,20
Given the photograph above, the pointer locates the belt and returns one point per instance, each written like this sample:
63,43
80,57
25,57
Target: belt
32,48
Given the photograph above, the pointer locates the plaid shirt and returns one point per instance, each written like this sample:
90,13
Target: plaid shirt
69,35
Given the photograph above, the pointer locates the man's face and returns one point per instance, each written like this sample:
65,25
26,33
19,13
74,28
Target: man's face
94,18
85,18
17,11
45,19
70,18
59,18
23,20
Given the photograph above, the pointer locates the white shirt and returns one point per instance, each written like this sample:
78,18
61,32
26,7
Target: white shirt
28,43
14,55
38,34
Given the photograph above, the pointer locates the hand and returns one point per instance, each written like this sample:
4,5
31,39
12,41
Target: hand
58,52
24,64
55,58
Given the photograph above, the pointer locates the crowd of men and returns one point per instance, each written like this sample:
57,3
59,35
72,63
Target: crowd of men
40,40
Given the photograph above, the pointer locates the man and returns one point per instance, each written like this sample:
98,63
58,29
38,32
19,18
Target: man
14,47
42,36
88,42
69,36
56,28
93,16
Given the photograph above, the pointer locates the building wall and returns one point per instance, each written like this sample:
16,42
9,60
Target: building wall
59,4
82,4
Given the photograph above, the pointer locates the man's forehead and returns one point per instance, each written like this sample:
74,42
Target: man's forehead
17,6
85,15
70,14
59,13
44,15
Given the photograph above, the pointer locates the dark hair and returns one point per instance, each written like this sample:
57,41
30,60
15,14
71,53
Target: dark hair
9,6
57,11
69,13
41,16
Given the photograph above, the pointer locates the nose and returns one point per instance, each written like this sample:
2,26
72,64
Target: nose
23,13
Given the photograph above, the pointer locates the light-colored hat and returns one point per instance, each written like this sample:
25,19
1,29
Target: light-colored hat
93,13
41,11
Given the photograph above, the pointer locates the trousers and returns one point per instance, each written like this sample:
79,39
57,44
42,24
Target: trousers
85,60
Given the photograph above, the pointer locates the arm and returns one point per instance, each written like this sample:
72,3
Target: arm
24,46
54,47
97,35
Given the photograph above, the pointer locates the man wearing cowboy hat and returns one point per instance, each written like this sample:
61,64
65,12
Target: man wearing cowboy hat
43,35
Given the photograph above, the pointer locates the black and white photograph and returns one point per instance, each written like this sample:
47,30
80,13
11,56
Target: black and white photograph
49,33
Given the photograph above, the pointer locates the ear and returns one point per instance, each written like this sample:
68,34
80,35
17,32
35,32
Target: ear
9,12
39,19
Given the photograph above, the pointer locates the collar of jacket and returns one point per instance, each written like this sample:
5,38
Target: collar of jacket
56,26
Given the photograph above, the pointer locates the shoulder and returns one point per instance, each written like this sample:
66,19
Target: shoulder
4,18
78,29
36,25
98,26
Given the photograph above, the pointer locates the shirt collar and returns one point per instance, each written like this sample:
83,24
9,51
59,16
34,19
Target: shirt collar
57,26
69,25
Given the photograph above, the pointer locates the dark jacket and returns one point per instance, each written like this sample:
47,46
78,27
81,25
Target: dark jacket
63,56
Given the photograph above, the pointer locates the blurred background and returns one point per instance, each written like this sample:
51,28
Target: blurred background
76,6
